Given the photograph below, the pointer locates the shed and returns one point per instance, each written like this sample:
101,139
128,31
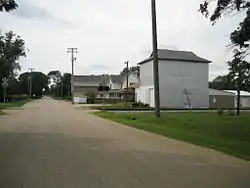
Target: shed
244,98
221,99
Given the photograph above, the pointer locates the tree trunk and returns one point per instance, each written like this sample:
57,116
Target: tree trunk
238,101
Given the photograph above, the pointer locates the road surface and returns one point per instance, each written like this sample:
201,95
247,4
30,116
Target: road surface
50,144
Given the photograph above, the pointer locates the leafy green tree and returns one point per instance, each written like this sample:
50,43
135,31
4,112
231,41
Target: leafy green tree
241,35
12,47
61,84
134,69
8,5
66,84
239,74
40,83
222,83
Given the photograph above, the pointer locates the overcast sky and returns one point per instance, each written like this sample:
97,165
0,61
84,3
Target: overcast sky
110,32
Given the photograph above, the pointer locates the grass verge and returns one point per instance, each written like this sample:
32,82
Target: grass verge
13,104
229,134
1,113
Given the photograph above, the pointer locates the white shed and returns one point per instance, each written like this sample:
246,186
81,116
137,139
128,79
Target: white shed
244,98
183,80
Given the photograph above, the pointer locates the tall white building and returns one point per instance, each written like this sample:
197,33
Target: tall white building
183,80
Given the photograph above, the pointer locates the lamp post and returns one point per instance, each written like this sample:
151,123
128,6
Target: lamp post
155,61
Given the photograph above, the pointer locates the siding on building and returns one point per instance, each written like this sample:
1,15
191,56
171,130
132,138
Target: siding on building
221,99
181,83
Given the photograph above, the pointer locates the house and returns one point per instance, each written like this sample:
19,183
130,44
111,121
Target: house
183,80
133,80
87,83
244,98
221,99
115,84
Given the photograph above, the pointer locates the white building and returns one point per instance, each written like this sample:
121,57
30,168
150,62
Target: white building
244,98
133,80
183,80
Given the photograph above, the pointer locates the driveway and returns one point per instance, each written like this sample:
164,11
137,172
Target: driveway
51,144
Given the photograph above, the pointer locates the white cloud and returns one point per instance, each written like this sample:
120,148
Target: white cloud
110,32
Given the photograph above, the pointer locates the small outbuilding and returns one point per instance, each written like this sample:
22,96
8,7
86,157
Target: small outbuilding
244,98
221,99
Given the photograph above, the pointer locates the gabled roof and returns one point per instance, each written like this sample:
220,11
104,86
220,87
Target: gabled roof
219,92
88,80
173,55
242,93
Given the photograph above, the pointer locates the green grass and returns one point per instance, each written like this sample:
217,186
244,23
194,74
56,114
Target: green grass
13,104
1,113
229,134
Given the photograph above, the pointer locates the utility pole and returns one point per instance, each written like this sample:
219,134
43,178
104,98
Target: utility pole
30,82
72,51
4,85
62,89
127,73
155,61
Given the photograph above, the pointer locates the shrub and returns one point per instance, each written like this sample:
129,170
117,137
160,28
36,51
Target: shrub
14,98
220,112
231,112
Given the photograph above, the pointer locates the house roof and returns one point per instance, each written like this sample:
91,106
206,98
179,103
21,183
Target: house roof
242,93
213,92
88,80
173,55
116,78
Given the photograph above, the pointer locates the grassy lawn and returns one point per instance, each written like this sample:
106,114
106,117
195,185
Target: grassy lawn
1,113
229,134
13,104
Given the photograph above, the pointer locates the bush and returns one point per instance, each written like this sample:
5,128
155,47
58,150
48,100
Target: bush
231,112
220,112
140,105
14,98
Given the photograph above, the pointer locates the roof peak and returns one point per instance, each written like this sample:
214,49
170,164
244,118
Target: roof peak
176,55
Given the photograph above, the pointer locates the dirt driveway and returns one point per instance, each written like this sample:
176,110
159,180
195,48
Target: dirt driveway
51,144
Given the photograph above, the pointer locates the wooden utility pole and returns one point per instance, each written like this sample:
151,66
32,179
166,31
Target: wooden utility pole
30,82
127,73
4,85
155,61
72,51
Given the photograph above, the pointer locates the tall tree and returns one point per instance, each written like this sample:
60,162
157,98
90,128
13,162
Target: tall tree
241,35
39,83
134,69
12,47
66,84
239,74
55,77
8,5
222,83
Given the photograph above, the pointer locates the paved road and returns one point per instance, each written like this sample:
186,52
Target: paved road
49,144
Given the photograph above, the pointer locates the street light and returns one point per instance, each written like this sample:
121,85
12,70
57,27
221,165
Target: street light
155,61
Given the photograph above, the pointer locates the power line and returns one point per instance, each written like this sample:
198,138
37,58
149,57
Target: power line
72,51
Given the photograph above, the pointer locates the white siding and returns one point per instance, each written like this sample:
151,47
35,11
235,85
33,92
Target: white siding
146,74
115,86
180,82
132,78
144,94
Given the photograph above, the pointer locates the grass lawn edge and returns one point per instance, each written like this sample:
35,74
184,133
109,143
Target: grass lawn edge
198,141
